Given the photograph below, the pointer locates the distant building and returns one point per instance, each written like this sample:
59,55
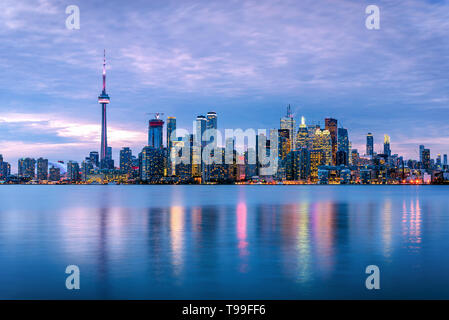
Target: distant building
152,164
26,168
42,169
94,158
426,159
55,174
343,144
288,122
323,142
369,144
126,160
155,133
331,125
387,149
302,135
73,171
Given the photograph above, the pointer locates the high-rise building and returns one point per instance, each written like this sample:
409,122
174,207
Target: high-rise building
317,158
355,157
445,159
212,125
73,171
155,130
421,149
212,120
387,149
126,160
369,144
343,144
86,169
302,135
171,128
152,164
5,168
198,145
284,148
94,158
42,169
438,160
342,158
426,159
103,99
55,174
323,141
261,144
331,125
26,167
288,122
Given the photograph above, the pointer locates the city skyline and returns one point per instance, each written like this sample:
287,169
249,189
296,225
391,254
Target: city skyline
324,63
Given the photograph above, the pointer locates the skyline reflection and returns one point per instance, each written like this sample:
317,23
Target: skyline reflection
175,247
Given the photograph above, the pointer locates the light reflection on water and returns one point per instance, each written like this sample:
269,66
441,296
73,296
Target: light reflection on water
181,242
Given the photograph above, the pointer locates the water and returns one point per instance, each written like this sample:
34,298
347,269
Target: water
224,242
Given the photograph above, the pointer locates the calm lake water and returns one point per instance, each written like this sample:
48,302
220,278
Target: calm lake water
223,242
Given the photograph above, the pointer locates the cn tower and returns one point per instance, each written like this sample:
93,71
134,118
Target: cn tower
103,99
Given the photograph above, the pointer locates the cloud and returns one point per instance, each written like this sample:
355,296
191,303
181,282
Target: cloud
244,59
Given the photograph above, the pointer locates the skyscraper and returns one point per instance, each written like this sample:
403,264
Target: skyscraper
343,145
323,142
369,144
42,169
73,171
331,125
152,164
55,174
212,125
103,99
94,158
288,122
302,135
26,167
171,127
126,160
421,149
445,159
198,144
155,130
387,149
426,159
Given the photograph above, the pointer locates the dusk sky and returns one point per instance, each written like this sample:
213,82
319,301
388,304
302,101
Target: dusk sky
246,60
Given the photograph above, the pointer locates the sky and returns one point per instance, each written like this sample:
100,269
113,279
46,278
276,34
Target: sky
246,60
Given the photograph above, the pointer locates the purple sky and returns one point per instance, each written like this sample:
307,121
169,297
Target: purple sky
246,60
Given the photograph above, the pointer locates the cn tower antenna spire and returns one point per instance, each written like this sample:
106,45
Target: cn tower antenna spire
104,71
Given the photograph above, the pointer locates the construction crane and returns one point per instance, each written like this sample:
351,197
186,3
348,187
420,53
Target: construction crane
156,114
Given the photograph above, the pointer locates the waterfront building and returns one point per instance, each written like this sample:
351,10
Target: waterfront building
126,163
42,169
152,164
289,123
331,125
302,135
155,129
198,145
387,149
73,171
317,158
55,174
369,145
94,158
343,145
426,161
323,141
26,168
